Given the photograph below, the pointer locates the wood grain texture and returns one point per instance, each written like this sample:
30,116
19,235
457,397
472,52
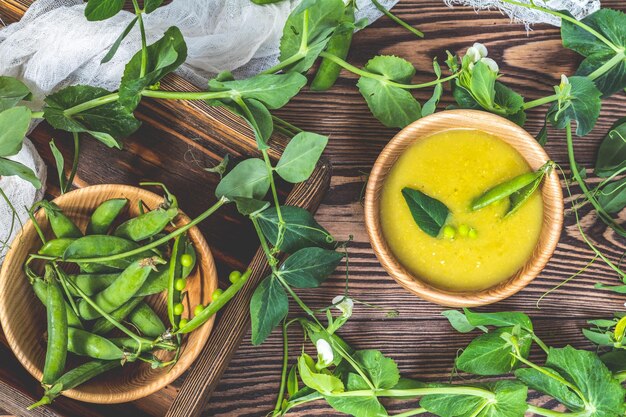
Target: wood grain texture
419,338
506,131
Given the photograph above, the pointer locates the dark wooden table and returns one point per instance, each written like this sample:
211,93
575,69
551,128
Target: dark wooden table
419,338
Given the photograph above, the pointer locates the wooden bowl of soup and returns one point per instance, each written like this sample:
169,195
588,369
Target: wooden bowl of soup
484,255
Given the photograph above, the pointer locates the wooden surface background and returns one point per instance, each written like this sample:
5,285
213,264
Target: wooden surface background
419,339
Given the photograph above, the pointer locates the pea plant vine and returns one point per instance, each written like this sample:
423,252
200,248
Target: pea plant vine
353,381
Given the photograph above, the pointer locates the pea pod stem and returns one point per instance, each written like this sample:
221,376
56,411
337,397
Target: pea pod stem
144,46
396,19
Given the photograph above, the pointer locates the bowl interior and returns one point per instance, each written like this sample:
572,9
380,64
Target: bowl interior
512,134
23,316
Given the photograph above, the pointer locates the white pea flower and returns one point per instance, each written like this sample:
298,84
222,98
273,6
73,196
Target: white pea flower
493,65
482,49
473,54
324,354
345,305
564,80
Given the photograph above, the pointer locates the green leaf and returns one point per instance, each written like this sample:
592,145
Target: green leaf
511,103
248,179
612,197
615,360
250,206
151,5
115,46
365,406
322,17
301,229
429,213
490,354
220,168
309,267
102,9
609,23
601,339
500,319
612,152
393,106
273,90
382,371
483,85
300,156
544,381
268,306
259,118
460,322
510,401
431,105
583,105
292,381
321,382
60,164
12,91
604,393
14,124
163,57
104,122
9,168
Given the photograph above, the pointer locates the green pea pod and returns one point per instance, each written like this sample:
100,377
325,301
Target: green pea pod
56,247
215,305
104,326
74,378
61,225
41,291
191,251
146,225
156,281
130,344
338,45
509,187
94,246
147,321
91,284
173,295
104,216
84,343
56,351
121,290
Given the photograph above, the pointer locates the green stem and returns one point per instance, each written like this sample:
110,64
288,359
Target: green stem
284,64
382,78
185,95
418,392
283,375
271,260
569,19
286,124
553,376
620,376
157,242
540,102
550,413
144,46
270,170
36,115
70,179
539,342
397,19
96,102
607,66
411,412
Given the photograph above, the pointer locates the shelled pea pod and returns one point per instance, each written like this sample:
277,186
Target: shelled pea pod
61,225
338,45
40,287
104,215
104,326
150,223
146,320
174,292
121,290
56,247
56,350
93,246
92,345
74,378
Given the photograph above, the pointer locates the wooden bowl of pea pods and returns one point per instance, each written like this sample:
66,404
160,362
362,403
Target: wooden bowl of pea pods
23,316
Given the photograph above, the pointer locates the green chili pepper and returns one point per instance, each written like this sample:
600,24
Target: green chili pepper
509,187
56,351
215,305
91,284
121,290
148,224
338,45
74,378
61,225
104,216
104,326
56,247
101,245
147,321
84,343
41,291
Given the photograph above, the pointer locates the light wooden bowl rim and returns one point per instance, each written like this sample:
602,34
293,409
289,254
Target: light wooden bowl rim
504,129
191,348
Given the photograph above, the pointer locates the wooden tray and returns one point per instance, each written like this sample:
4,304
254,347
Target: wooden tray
177,140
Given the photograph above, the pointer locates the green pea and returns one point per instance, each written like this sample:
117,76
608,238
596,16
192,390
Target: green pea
121,290
178,309
61,225
180,284
473,234
56,351
463,230
147,321
40,287
103,217
189,252
186,260
84,343
183,322
146,225
198,309
234,276
449,232
216,294
56,247
104,326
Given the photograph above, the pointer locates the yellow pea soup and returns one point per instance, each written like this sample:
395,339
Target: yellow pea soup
476,249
